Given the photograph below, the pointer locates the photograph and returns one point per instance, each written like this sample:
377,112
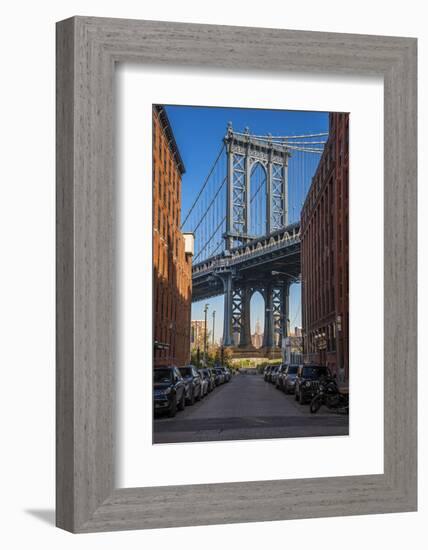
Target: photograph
250,273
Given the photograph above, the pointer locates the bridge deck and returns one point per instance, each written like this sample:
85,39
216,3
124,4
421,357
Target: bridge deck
254,261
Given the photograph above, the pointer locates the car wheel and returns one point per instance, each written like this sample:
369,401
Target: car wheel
192,399
315,405
182,403
173,407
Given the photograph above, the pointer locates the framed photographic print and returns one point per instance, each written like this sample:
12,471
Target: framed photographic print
236,274
237,252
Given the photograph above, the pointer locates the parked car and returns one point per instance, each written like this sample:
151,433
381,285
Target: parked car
289,379
220,374
208,374
307,381
169,390
192,380
273,374
227,374
215,376
279,376
266,373
203,373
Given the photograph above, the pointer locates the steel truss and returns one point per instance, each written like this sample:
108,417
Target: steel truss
243,152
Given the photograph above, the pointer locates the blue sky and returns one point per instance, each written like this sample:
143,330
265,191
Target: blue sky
199,132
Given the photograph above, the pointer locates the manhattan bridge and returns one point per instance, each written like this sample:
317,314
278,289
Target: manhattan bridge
246,223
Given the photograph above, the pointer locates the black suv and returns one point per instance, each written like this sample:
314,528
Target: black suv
192,379
169,391
307,381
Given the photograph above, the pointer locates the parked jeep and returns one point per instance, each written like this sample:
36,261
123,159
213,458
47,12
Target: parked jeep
307,381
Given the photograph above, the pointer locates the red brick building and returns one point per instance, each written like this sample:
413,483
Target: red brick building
172,250
324,242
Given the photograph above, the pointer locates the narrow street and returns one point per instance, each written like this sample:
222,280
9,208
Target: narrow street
247,408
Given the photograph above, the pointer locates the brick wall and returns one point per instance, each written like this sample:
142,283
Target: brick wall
325,253
172,276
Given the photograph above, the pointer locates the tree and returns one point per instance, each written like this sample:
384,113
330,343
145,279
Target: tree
199,340
223,356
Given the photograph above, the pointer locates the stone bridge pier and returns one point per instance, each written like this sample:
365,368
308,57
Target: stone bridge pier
237,315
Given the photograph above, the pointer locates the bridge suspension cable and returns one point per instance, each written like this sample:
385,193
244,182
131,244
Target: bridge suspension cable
210,240
282,138
302,167
210,205
206,217
307,149
204,185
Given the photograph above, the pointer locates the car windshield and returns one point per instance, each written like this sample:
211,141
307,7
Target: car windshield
162,375
186,371
314,372
292,370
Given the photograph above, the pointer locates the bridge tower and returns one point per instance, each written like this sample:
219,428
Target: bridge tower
245,153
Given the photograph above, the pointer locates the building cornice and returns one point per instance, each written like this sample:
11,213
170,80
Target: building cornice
172,144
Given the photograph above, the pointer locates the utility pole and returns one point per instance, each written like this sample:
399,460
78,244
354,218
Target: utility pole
213,327
205,334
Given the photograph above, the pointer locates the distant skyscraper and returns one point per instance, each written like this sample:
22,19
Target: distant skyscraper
257,337
197,333
298,331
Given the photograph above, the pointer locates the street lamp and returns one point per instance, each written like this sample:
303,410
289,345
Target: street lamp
213,326
205,334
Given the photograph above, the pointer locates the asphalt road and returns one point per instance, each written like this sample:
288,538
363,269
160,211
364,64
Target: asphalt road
247,408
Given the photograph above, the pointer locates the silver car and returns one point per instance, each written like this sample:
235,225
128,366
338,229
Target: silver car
274,374
205,383
289,379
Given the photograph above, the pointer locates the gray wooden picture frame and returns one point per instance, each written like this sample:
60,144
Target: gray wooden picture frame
87,50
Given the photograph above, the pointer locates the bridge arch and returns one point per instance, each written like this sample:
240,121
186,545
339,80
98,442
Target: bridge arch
258,193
